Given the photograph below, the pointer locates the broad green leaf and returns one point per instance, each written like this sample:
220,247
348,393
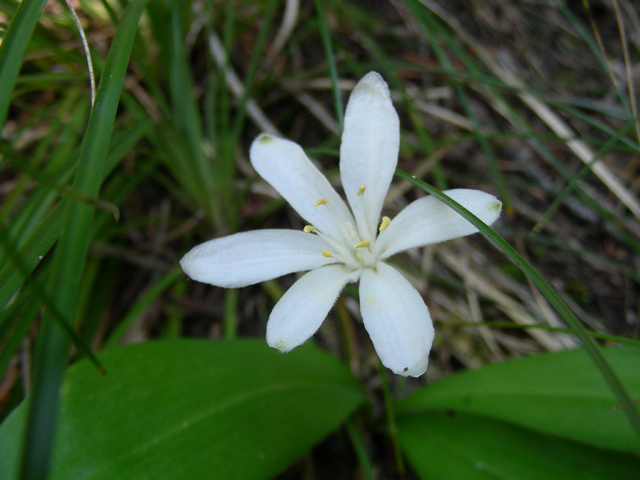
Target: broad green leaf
560,393
191,409
441,447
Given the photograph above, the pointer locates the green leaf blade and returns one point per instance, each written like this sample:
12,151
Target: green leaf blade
474,448
12,50
559,393
186,408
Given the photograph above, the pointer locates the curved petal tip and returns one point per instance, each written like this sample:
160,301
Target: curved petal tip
417,370
373,81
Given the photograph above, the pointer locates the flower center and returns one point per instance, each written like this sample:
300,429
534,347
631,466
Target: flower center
353,251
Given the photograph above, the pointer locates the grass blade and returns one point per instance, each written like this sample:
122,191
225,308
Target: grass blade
328,51
13,48
142,304
560,306
70,255
12,276
559,200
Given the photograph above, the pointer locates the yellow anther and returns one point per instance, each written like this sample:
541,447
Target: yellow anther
361,190
327,253
309,229
322,201
385,223
364,244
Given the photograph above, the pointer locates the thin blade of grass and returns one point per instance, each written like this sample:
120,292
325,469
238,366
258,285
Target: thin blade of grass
513,116
38,290
331,61
50,183
15,322
432,28
559,200
229,143
13,48
70,255
627,65
142,304
357,442
30,255
257,55
203,172
595,45
554,299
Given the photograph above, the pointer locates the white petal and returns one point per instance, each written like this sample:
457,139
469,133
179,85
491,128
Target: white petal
397,320
286,167
251,257
302,309
428,220
369,150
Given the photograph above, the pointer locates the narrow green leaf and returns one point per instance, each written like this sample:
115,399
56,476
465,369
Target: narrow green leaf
142,304
50,182
331,61
559,393
185,409
430,29
441,447
202,173
70,255
30,255
560,198
15,322
554,299
12,50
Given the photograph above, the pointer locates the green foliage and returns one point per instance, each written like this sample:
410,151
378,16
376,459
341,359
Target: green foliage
560,394
186,408
439,446
13,48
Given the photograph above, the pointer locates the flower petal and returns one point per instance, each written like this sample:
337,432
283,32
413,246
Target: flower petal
286,167
429,220
303,308
251,257
369,150
397,320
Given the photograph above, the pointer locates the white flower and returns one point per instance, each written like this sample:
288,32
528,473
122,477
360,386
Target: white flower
342,245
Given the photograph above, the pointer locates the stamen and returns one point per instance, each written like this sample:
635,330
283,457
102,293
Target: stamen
385,223
322,201
361,190
309,229
342,254
327,254
364,244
